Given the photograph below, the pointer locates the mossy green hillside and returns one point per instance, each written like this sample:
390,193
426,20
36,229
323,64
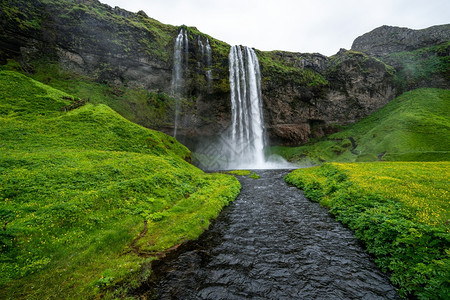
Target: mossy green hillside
110,32
421,67
364,62
87,198
120,29
399,210
150,109
412,127
274,67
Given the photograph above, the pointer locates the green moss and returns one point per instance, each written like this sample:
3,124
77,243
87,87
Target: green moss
21,14
365,63
254,176
421,65
239,172
274,68
77,188
150,109
248,173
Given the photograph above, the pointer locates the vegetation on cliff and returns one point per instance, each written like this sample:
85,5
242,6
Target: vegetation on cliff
425,67
274,68
88,198
129,57
412,127
150,109
113,56
399,210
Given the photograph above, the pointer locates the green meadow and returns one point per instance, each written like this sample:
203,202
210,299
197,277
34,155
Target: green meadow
413,127
399,210
89,199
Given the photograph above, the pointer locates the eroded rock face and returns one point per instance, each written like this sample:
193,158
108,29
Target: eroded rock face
389,39
87,43
356,86
304,95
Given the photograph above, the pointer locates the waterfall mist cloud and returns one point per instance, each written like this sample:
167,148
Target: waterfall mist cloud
321,26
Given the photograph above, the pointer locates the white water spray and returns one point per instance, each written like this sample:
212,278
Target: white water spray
247,128
243,145
248,137
208,63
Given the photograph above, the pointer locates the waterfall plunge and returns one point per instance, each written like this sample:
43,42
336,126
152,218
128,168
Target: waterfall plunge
180,63
242,147
247,137
247,128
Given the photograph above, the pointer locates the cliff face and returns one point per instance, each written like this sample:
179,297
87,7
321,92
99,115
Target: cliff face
334,90
385,40
117,48
108,44
420,57
304,95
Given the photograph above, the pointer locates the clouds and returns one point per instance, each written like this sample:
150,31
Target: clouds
293,25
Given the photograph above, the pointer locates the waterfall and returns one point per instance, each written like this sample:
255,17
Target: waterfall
204,59
180,64
247,140
201,53
201,47
242,145
208,63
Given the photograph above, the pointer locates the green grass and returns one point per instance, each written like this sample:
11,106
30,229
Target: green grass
149,109
248,173
399,210
239,172
413,127
420,66
275,68
88,198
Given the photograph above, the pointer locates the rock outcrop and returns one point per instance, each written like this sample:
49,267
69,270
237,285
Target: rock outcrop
338,90
385,40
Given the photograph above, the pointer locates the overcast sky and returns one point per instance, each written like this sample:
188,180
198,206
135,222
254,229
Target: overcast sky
322,26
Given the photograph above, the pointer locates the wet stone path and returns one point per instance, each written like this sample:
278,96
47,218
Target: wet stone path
271,243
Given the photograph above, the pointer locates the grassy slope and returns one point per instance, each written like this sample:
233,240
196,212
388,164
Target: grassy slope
400,210
413,127
123,35
149,109
421,67
78,187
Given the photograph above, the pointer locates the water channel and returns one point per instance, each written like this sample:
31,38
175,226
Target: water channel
271,243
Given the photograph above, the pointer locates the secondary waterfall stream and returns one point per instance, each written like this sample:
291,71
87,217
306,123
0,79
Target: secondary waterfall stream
271,243
180,63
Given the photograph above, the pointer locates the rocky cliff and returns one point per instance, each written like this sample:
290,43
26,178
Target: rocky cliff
319,92
420,57
304,95
385,40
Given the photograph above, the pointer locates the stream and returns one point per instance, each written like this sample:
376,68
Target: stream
271,243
